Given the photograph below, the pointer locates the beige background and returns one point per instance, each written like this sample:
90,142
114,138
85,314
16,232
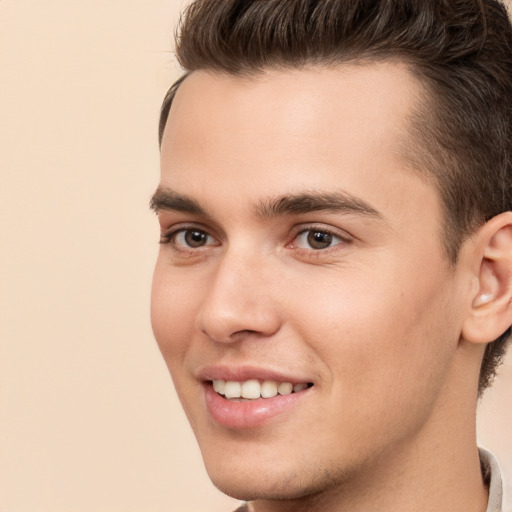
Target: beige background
88,417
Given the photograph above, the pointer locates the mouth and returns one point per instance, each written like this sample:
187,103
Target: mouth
247,397
254,389
252,403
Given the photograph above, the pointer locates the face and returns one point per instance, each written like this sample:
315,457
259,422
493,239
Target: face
301,272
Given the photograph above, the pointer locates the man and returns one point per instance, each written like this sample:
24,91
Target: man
334,285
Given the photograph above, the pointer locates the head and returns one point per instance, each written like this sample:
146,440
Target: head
461,133
335,182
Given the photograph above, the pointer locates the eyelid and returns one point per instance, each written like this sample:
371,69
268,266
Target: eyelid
171,220
339,233
167,235
344,237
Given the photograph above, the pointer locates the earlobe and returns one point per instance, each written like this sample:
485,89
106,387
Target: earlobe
490,312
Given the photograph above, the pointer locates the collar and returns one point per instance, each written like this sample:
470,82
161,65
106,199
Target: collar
492,477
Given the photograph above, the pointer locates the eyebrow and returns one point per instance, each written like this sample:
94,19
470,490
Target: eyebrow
287,204
166,199
296,204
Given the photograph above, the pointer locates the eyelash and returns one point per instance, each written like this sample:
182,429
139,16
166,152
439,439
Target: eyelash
343,239
170,236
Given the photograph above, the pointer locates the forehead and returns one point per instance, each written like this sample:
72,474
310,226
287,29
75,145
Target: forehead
295,101
285,131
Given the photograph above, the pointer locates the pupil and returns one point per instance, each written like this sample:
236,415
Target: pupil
195,238
319,240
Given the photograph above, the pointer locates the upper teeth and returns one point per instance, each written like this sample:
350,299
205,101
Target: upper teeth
252,389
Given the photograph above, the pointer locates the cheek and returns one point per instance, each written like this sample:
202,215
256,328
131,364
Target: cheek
388,335
172,314
172,317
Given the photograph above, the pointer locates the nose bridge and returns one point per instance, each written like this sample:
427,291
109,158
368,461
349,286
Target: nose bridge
239,298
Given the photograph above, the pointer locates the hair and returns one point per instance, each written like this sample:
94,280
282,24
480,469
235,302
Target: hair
460,50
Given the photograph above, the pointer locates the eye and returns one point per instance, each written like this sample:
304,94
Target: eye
316,239
189,238
192,238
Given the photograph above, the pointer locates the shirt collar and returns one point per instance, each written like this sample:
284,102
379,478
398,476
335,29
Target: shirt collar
492,476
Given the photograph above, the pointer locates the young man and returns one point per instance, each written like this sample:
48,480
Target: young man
334,285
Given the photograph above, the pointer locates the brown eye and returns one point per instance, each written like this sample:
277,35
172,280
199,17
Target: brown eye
195,238
319,239
188,238
185,241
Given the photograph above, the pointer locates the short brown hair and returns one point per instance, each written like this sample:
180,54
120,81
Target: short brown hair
461,51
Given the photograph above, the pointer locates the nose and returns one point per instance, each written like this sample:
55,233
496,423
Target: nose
239,301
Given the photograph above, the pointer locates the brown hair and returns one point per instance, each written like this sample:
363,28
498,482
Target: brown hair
461,51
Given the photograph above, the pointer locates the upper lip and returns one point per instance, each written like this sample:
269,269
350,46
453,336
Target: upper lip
247,372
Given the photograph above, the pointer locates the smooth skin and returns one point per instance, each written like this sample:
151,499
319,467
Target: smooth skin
362,302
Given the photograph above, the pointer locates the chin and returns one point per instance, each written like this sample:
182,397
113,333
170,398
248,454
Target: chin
251,482
258,490
244,478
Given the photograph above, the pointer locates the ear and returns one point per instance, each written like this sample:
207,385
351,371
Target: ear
491,301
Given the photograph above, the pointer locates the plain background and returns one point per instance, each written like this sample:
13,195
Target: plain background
88,417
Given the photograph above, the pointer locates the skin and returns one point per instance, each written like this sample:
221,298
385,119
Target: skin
374,321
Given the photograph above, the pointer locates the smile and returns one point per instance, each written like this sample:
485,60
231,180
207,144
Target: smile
247,398
254,389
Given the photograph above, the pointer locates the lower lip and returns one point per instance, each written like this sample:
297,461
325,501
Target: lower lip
250,414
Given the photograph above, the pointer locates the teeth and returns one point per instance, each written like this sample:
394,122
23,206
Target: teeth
232,389
254,389
251,389
269,389
285,388
219,386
